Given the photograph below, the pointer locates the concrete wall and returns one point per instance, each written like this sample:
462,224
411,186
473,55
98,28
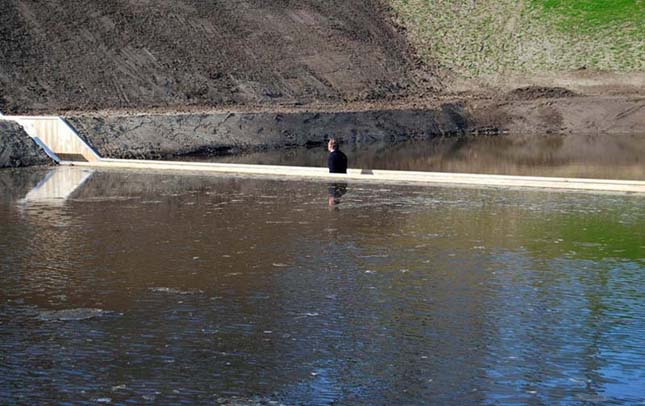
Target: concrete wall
376,175
56,134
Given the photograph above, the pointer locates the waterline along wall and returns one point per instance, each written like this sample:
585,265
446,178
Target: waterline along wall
69,149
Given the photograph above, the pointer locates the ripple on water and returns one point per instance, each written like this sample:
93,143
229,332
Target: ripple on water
420,296
73,314
176,291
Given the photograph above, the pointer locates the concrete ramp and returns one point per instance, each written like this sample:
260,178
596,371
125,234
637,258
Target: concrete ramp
56,137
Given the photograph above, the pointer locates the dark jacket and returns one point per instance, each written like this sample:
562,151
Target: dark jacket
337,162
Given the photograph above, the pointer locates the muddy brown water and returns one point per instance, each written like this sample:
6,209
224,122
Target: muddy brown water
579,156
129,288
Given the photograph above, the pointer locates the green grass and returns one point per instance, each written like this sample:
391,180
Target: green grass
590,15
488,38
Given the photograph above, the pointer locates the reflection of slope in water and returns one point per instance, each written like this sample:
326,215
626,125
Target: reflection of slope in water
600,156
58,185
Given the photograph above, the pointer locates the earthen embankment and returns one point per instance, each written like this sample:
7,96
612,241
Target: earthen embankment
163,135
160,135
17,149
93,54
159,79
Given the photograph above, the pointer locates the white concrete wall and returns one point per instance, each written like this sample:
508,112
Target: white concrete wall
379,176
56,134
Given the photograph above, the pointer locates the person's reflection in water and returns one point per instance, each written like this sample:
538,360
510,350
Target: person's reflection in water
336,191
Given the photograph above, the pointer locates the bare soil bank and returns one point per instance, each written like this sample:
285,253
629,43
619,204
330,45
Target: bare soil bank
151,79
91,54
17,148
569,115
165,135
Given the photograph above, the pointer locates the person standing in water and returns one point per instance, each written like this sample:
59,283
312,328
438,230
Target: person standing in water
337,161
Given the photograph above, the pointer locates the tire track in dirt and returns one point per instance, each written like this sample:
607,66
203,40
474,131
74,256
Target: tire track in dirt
90,55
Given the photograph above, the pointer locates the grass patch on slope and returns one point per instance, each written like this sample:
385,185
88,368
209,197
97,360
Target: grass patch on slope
590,15
487,38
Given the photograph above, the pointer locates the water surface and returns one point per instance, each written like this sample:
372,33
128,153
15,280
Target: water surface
134,288
593,156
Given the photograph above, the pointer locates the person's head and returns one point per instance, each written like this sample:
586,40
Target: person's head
332,145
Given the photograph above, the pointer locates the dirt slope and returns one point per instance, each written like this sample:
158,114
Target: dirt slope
17,149
60,55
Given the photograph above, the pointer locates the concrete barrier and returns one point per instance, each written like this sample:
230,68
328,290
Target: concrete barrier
361,175
56,135
62,140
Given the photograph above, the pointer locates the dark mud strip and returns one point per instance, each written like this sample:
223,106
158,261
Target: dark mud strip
153,136
17,149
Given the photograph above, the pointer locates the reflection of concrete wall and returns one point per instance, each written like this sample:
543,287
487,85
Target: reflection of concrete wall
58,185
